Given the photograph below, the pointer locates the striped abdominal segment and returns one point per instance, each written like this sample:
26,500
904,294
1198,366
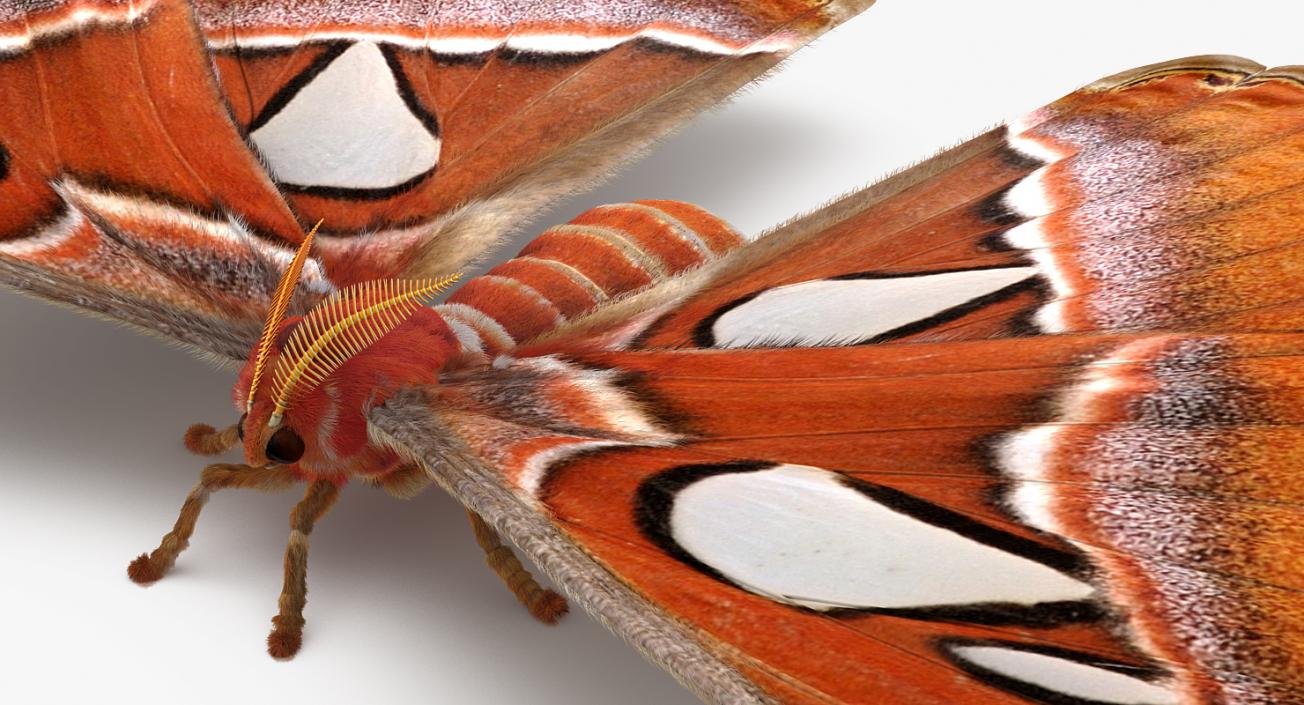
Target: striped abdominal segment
565,272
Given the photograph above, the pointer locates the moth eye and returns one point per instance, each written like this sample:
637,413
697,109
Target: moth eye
239,426
284,446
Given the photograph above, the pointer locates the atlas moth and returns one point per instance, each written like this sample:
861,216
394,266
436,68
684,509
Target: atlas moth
1016,425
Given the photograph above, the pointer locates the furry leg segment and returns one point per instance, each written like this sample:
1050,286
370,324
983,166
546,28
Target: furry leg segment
202,439
287,634
546,605
149,567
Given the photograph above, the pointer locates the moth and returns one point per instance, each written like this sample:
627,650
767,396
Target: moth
1015,425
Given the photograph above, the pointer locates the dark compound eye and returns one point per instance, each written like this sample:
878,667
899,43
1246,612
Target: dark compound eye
239,426
284,446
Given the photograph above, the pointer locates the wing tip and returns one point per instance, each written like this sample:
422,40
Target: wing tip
1291,72
841,10
1220,63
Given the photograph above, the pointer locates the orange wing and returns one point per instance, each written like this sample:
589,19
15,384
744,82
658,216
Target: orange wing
159,159
493,109
1154,199
1020,425
122,173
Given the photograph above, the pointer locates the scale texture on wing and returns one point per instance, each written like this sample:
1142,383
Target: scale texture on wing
1162,198
1019,425
124,187
494,109
160,159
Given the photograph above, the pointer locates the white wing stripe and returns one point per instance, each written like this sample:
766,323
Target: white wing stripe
1063,676
849,311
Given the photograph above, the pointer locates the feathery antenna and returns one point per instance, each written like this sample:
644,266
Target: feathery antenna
276,312
342,326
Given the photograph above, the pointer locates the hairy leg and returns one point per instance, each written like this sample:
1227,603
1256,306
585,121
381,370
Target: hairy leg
287,634
149,567
546,605
202,439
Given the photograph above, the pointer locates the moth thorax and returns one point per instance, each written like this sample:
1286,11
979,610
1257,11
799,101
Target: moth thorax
339,328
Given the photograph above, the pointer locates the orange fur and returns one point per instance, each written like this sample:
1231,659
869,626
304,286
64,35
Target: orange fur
545,605
202,439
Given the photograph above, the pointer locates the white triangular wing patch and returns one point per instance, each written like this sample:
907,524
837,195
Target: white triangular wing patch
349,128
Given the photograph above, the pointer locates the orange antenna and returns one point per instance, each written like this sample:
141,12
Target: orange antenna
276,312
341,327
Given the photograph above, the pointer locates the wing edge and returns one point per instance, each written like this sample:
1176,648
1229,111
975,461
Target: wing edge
406,424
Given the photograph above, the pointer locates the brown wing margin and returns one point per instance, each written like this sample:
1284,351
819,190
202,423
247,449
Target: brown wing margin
406,423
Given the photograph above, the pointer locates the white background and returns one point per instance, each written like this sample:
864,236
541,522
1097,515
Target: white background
401,608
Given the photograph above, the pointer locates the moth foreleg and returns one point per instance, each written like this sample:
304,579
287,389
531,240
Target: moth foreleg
202,439
287,634
546,605
149,567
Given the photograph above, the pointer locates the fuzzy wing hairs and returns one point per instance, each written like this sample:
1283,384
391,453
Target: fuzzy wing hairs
1019,425
165,176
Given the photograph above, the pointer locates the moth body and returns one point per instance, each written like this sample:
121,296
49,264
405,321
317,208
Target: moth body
330,419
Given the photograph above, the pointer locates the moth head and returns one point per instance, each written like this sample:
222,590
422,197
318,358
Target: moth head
307,382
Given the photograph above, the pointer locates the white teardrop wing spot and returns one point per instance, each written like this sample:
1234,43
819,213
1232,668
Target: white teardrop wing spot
800,535
848,311
1059,675
349,128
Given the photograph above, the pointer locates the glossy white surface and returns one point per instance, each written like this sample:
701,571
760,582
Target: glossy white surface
1060,675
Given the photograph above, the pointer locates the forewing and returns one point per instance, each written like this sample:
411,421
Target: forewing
125,189
1163,198
434,127
159,159
1020,425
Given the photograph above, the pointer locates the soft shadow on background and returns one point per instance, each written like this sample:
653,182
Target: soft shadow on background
401,609
401,606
